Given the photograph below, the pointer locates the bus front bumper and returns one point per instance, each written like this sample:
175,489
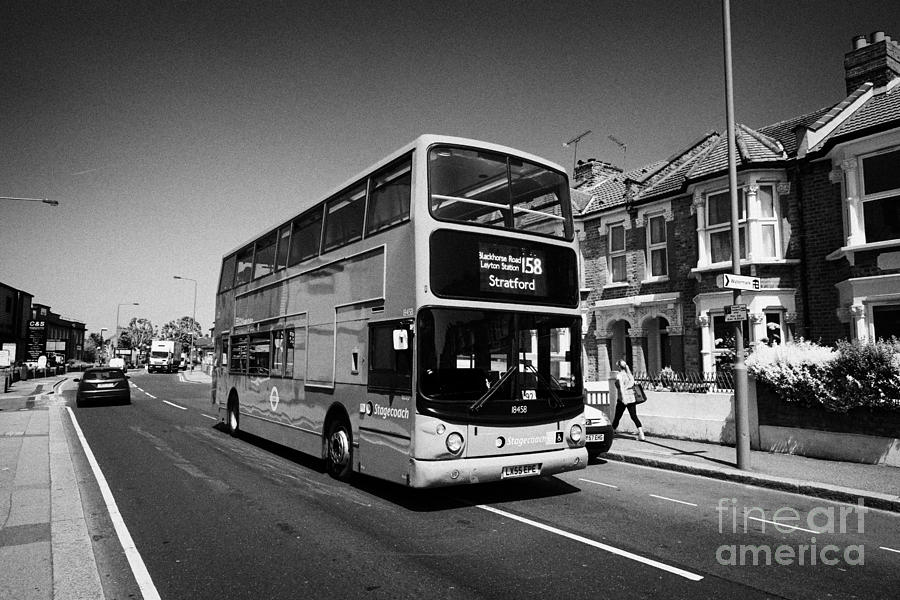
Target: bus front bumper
439,473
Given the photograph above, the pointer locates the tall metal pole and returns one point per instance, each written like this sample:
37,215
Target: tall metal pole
741,405
193,315
118,333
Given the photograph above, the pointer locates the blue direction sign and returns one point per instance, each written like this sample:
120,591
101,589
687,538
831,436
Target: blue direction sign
737,282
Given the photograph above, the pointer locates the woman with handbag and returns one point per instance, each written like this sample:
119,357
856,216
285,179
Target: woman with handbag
625,385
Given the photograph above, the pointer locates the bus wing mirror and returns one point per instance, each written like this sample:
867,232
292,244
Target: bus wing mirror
401,339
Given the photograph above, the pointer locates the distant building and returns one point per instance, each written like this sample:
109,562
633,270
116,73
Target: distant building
15,311
53,336
819,223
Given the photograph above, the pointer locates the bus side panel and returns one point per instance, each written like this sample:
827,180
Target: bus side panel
384,440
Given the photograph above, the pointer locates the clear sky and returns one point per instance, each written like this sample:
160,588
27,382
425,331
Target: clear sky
174,131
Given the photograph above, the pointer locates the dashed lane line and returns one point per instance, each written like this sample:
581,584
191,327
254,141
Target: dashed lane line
175,405
609,485
672,500
611,549
209,417
777,524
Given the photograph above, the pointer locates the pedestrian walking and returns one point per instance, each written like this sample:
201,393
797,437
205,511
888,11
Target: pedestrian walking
625,387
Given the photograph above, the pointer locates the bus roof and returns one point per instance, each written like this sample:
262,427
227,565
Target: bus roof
423,141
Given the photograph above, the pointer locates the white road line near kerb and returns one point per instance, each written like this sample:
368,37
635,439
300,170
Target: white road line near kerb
595,544
889,549
175,405
672,500
149,394
777,524
209,417
609,485
141,575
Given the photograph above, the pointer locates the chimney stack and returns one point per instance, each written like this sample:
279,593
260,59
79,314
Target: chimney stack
876,60
592,171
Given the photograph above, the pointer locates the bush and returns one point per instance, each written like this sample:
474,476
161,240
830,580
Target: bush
795,370
867,374
857,374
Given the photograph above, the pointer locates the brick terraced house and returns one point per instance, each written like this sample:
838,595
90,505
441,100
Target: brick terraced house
819,223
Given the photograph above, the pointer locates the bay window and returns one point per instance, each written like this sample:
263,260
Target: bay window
881,196
718,225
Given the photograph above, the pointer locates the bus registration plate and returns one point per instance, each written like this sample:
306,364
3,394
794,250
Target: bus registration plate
594,437
520,471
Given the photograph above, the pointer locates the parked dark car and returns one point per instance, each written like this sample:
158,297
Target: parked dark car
103,384
599,432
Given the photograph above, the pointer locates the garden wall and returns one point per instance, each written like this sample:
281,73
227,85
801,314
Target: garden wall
706,417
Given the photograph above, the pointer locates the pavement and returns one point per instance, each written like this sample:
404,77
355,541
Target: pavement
47,552
877,485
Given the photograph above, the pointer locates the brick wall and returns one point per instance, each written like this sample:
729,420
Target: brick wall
822,232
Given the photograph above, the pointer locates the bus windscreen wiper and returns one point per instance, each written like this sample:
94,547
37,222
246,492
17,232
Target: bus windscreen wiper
487,395
554,401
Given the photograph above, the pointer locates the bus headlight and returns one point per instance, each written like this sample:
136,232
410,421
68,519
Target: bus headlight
454,442
575,433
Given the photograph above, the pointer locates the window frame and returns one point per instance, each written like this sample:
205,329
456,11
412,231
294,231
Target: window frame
283,241
226,283
878,196
616,254
657,246
725,226
312,217
399,169
264,244
389,380
346,202
247,251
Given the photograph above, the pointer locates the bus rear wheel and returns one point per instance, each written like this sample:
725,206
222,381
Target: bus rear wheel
232,417
339,450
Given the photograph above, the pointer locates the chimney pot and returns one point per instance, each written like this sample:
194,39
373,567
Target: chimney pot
877,36
859,42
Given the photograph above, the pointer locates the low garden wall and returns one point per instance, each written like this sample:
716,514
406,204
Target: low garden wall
860,435
704,417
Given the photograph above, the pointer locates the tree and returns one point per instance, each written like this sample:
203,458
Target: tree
138,334
93,347
182,330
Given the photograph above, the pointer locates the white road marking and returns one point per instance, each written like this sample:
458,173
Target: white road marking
149,394
672,500
138,568
609,485
889,549
596,544
175,405
783,525
209,417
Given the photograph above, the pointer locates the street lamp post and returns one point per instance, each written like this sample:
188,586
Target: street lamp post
193,316
119,306
100,357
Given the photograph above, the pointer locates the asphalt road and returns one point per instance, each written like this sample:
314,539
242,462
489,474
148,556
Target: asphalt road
219,517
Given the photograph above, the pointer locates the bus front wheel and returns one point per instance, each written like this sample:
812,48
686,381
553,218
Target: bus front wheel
339,451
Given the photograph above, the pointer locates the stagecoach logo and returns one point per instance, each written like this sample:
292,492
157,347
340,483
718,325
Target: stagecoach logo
395,413
273,398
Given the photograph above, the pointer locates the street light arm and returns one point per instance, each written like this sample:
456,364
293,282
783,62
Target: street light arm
44,200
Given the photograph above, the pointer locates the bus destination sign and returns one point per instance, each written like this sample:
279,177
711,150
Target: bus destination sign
512,269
